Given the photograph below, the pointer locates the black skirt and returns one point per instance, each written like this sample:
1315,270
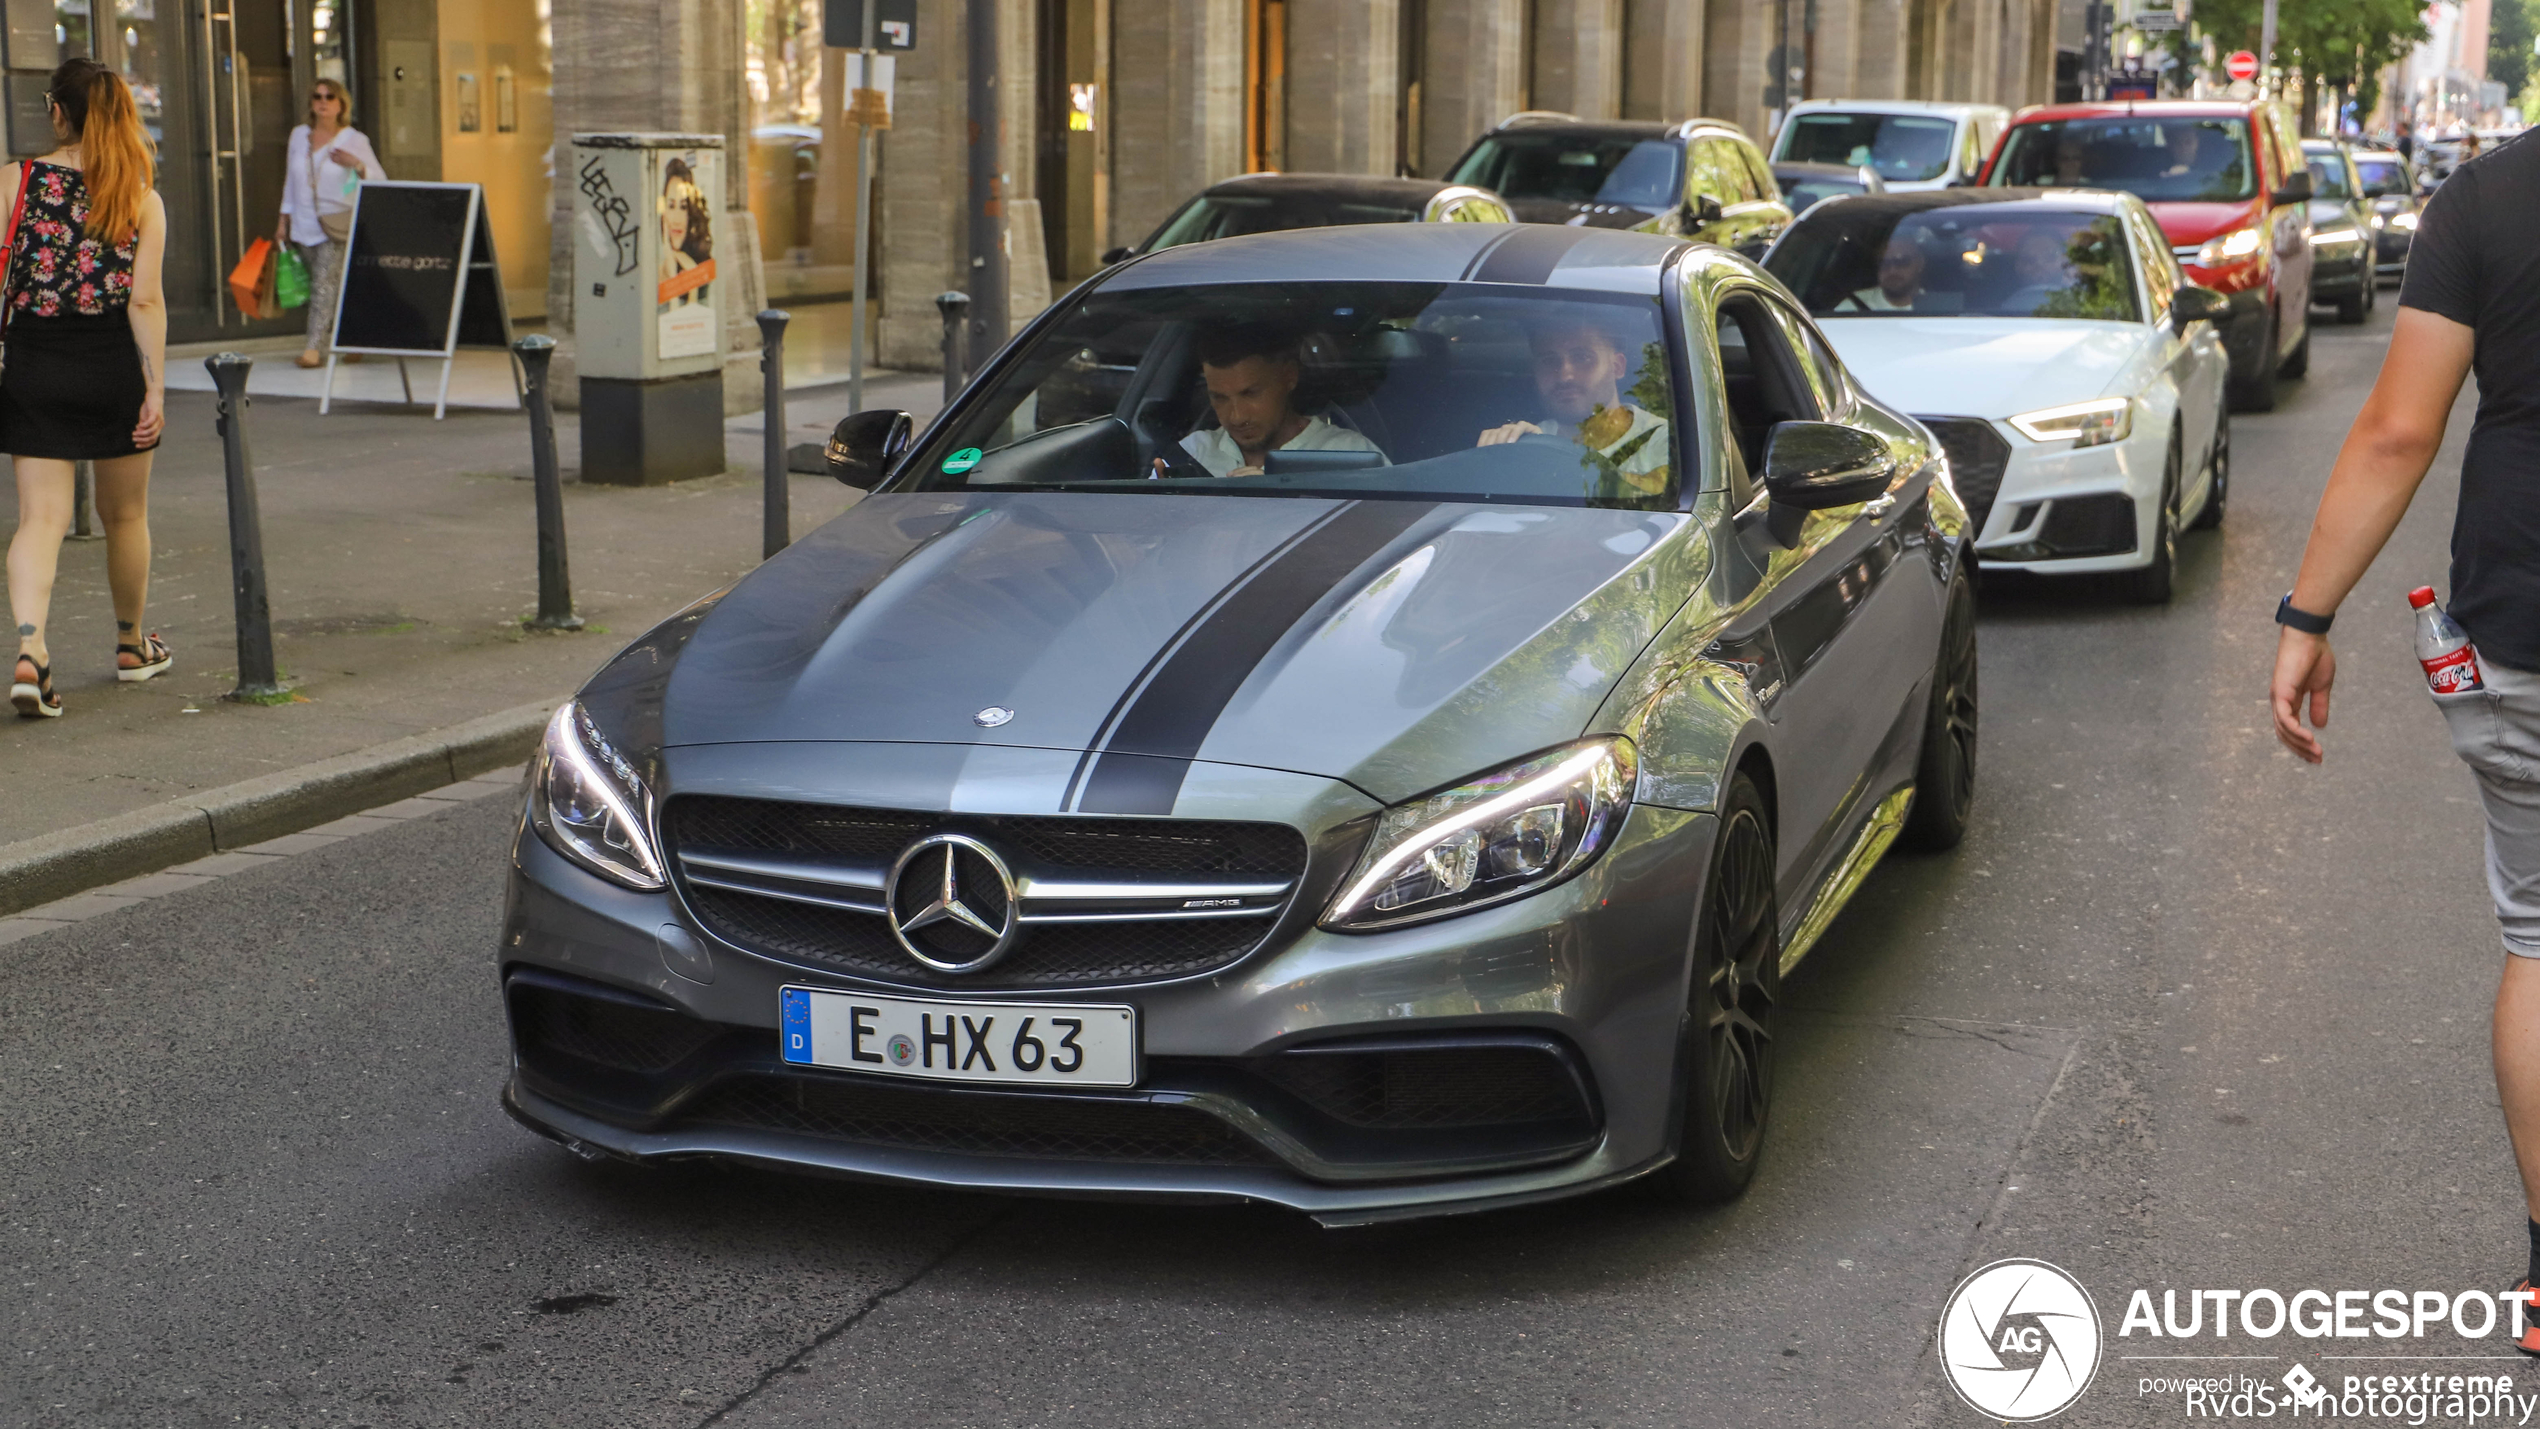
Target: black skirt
72,389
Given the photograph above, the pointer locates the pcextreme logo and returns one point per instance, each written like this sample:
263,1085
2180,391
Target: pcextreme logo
2019,1341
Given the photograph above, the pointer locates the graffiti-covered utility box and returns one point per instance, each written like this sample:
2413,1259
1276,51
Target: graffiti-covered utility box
647,305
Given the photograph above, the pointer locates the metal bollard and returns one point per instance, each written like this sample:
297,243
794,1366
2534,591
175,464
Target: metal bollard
555,583
777,526
955,307
84,503
257,683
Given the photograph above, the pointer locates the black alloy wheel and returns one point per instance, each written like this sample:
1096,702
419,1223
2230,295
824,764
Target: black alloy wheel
2256,391
2351,309
2218,490
1945,776
1728,1053
2152,584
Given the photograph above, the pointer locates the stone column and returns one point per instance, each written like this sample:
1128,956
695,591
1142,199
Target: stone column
1882,39
1662,58
1177,72
1736,42
1578,52
1344,76
1476,74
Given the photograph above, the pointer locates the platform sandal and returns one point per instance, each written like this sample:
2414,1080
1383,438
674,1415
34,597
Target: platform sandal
34,698
2529,1340
152,652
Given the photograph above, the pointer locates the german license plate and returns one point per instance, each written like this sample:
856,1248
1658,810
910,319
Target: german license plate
1068,1044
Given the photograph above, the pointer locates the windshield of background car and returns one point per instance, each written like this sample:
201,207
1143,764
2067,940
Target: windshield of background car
1901,147
1417,391
2382,176
1799,192
2328,177
1230,215
1577,168
1867,259
2169,160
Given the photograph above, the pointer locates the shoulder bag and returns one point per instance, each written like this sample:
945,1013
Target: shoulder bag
9,259
338,225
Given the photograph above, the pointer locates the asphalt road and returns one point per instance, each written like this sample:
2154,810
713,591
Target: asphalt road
2179,1014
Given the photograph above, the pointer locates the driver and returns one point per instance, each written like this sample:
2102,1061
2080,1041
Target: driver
1579,371
1252,374
1900,279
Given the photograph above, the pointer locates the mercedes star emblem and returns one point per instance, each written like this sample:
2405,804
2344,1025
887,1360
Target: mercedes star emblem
952,903
992,716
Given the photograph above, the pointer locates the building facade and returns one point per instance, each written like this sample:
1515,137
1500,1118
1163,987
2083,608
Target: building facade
1110,112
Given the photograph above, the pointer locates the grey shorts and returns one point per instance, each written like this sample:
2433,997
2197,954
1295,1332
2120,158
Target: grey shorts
2496,731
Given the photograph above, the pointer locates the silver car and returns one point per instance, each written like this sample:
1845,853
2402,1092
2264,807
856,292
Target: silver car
1360,719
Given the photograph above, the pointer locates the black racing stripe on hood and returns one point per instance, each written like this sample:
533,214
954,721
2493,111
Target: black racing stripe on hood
1529,254
1141,767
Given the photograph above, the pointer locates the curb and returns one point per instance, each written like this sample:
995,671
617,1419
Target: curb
56,865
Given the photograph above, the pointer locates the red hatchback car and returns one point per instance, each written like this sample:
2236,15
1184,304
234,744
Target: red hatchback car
2228,184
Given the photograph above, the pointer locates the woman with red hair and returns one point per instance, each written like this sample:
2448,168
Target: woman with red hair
83,363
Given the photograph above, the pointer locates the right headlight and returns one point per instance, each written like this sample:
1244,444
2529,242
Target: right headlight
2084,424
589,804
2231,247
1506,834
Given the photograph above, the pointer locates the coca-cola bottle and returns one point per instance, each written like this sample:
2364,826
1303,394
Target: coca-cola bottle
2450,661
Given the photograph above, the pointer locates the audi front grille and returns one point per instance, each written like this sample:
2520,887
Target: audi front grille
1977,458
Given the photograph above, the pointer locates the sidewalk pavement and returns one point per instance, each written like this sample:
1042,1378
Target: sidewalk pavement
401,556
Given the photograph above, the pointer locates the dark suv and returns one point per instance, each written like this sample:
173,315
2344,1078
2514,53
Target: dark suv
1701,179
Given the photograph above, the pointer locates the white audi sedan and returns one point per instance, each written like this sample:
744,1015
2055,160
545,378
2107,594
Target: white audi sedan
2047,338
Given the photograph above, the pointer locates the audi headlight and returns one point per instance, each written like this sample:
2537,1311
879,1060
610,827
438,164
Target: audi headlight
2230,247
1506,834
2084,424
2406,222
589,805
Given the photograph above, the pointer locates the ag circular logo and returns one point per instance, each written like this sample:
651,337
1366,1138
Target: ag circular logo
2019,1340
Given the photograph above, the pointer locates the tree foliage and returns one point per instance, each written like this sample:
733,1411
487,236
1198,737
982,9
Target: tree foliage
2337,42
2509,31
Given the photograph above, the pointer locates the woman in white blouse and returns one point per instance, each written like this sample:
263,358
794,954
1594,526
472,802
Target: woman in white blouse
328,158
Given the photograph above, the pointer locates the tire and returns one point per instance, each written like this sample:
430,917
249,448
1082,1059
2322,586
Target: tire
2298,366
2351,311
1726,1080
2153,583
2256,392
2220,461
1945,775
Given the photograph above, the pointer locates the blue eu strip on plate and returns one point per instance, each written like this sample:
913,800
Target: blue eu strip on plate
796,1029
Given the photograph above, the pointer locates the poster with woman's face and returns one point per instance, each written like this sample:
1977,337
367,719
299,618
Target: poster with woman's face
683,293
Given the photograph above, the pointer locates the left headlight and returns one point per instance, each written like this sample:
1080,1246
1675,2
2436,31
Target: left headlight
589,804
1506,834
2084,424
2336,235
2231,247
2405,222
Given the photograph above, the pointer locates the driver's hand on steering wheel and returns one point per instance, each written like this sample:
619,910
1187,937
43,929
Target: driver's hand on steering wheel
1501,436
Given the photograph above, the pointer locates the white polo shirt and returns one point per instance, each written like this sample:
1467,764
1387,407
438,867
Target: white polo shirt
1218,452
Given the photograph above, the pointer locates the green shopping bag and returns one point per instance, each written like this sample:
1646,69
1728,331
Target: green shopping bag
290,280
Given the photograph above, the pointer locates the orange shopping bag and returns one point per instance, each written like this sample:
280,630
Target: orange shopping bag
251,282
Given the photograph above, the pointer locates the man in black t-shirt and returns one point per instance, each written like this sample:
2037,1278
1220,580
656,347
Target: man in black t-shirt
2471,301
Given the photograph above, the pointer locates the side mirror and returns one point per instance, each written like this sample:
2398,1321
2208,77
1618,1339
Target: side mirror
862,447
1699,210
1816,465
2296,189
1121,254
2191,304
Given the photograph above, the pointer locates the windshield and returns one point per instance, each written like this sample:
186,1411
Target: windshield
1900,147
2382,176
2328,177
1577,168
2159,160
1868,259
1420,391
1229,215
1799,190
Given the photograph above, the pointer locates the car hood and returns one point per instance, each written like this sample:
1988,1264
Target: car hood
1578,214
1982,367
2187,223
1397,645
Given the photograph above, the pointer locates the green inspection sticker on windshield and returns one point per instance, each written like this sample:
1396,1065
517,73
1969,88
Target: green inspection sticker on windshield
961,461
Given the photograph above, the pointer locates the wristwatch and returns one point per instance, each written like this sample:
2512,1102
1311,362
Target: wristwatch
2287,613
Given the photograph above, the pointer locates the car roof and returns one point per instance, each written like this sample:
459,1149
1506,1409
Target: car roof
1360,188
2377,152
1614,128
2148,108
2045,200
1831,171
1543,255
1896,106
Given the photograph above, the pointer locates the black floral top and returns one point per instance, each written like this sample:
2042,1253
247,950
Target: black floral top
59,270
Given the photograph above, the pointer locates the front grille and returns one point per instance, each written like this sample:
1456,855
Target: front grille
974,1123
1132,945
604,1027
1977,458
1434,1087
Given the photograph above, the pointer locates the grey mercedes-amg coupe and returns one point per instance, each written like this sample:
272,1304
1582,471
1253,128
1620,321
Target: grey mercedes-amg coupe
1360,719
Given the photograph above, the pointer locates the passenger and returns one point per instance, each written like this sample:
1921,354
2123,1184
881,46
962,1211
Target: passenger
1900,279
1252,373
1579,371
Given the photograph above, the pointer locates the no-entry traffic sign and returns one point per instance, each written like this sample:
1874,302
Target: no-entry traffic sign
2240,64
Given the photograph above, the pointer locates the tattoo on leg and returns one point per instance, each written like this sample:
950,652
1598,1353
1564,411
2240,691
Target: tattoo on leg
25,631
124,625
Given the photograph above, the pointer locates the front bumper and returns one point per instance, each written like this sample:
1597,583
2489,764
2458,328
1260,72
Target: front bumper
2067,511
1594,967
2339,272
